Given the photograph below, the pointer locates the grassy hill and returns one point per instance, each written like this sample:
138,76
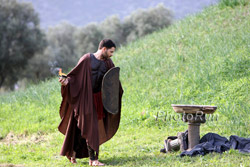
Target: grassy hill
203,59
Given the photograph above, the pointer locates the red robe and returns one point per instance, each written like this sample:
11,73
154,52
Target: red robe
79,121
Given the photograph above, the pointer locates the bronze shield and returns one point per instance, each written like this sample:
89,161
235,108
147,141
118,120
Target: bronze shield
110,90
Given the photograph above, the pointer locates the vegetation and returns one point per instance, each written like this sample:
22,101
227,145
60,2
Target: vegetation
20,39
233,3
66,43
203,59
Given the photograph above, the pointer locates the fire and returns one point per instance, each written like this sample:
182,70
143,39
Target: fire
61,74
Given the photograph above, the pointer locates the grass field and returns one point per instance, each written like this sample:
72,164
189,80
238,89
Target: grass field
203,60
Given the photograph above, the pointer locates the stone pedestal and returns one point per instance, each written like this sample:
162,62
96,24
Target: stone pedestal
194,115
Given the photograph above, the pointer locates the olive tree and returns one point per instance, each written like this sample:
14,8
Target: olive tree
143,22
88,38
20,39
61,50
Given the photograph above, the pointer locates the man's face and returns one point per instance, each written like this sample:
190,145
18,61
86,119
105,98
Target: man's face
107,53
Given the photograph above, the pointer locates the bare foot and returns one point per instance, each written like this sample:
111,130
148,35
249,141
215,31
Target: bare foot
95,163
72,160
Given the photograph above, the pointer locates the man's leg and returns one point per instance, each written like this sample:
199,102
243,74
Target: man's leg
73,158
93,157
91,153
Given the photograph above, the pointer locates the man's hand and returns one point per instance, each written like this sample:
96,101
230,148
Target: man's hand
63,81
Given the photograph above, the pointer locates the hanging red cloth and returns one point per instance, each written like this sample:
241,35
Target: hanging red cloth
98,105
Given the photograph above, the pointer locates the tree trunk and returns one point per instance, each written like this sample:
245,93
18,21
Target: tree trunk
2,80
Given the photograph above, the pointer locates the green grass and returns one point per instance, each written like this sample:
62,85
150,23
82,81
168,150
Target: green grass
31,111
203,59
233,3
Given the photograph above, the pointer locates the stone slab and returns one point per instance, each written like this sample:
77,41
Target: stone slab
193,109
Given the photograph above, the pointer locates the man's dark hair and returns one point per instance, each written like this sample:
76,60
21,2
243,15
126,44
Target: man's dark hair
108,43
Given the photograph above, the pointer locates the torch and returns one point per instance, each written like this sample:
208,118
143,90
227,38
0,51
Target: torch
61,74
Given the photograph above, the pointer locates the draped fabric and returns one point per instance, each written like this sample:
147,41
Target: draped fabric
79,117
98,105
212,142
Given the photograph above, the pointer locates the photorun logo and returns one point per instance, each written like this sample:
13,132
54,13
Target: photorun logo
199,115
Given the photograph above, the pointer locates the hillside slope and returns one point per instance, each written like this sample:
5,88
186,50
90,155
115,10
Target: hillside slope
200,60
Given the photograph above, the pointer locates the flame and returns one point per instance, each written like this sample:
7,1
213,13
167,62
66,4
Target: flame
61,74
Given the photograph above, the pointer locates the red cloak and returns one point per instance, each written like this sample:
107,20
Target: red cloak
79,121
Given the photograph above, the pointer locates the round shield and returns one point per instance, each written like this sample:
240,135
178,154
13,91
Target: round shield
110,90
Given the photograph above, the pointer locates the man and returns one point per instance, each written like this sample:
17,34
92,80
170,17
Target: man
85,123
